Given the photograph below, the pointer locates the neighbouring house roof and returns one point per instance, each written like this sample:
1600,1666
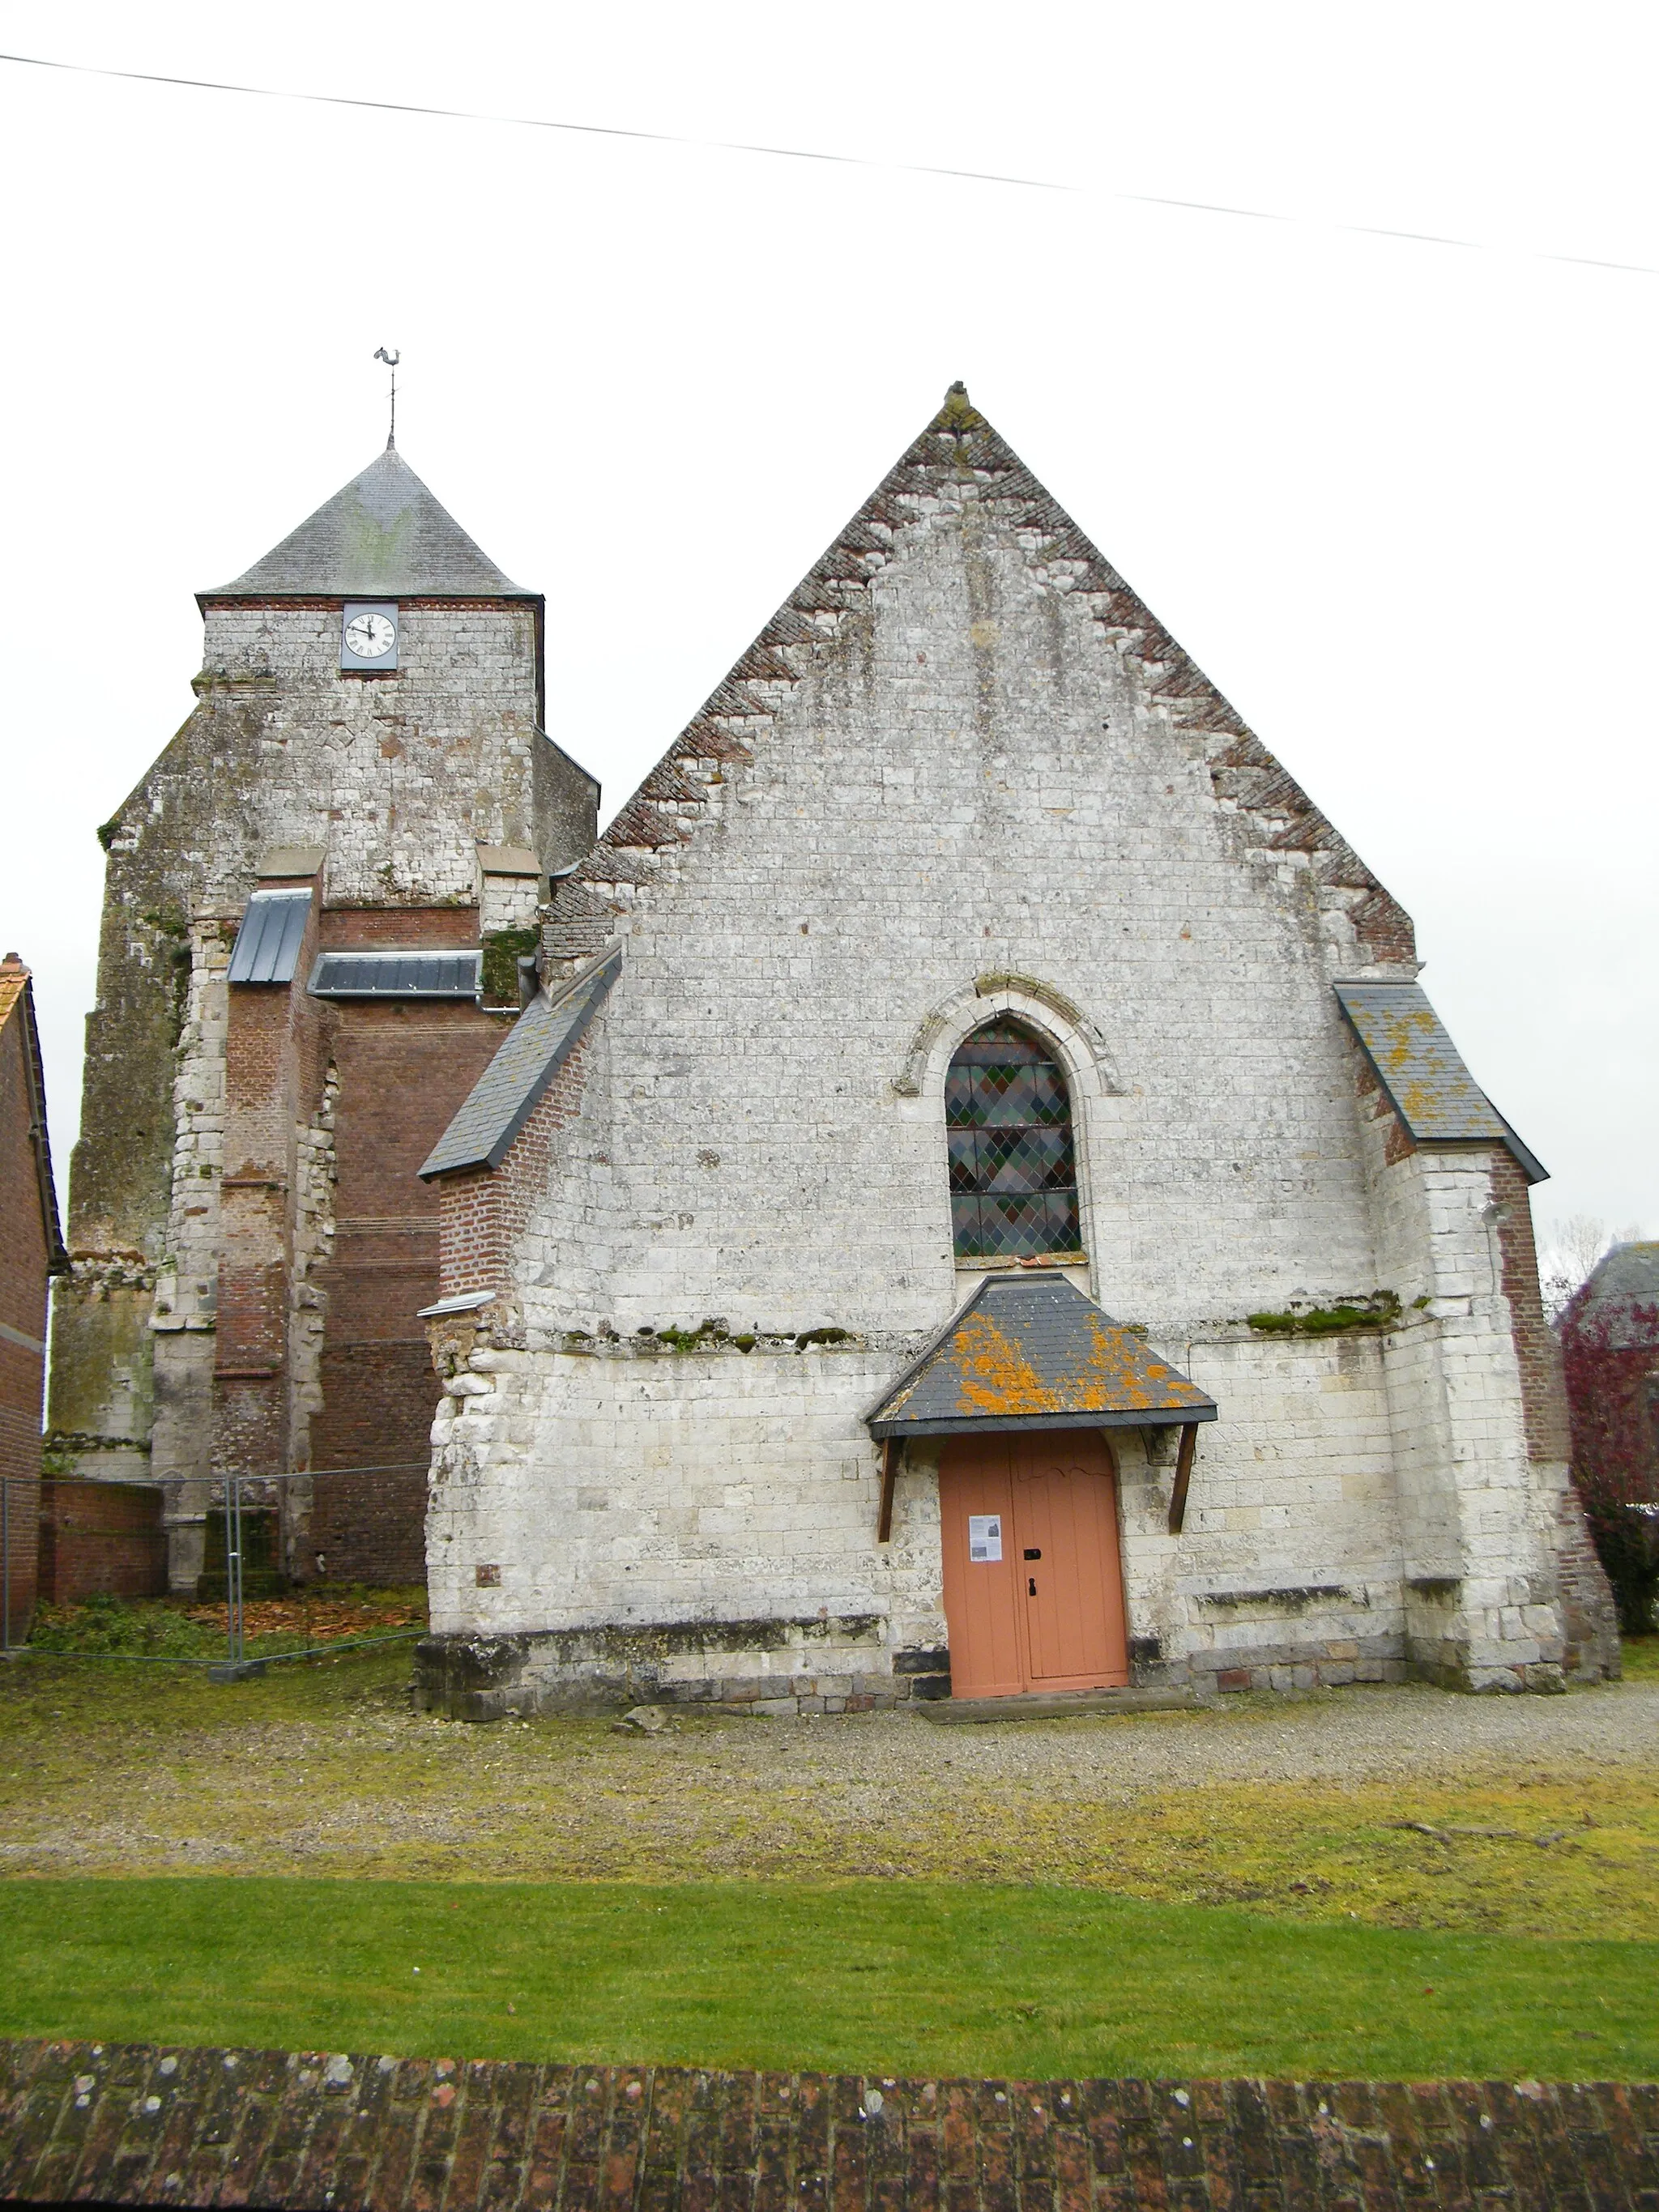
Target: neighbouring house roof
267,947
17,1007
1619,1301
534,1050
381,536
388,974
958,456
1423,1071
1031,1351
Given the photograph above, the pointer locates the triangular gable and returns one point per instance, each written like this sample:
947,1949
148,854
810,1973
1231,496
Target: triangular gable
1031,1351
382,536
958,446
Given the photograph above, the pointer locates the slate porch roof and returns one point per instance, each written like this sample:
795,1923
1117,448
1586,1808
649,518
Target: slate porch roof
506,1094
1031,1351
1423,1071
381,536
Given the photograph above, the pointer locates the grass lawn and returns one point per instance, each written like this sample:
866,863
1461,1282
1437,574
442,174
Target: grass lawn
914,1978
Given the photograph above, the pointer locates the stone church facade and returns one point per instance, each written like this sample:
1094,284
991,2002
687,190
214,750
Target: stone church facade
958,1192
979,1201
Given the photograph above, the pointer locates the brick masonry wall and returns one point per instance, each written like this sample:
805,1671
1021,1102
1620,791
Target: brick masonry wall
403,1070
483,1213
101,1539
24,1260
138,2124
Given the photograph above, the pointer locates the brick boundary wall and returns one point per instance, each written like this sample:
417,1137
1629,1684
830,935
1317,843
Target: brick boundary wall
100,1539
138,2124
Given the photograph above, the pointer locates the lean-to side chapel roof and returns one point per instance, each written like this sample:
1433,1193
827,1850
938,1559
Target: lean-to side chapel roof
959,457
17,1010
506,1094
383,537
1031,1351
1423,1071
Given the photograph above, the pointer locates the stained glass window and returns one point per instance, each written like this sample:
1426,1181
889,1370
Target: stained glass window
1008,1121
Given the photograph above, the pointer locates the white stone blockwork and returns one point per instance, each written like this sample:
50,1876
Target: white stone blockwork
972,791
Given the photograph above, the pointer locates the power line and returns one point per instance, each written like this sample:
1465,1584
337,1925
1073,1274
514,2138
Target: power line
788,154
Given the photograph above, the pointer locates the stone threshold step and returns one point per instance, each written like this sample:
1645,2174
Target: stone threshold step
947,1711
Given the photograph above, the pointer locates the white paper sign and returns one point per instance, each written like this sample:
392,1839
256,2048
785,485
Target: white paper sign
984,1537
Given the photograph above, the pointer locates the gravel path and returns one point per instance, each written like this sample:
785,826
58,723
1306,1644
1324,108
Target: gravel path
1381,1735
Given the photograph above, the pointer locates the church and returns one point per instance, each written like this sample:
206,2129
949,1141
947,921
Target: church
958,1192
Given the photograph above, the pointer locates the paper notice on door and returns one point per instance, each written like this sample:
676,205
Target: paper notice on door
984,1537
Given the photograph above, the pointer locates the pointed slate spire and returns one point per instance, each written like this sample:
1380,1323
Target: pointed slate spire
383,537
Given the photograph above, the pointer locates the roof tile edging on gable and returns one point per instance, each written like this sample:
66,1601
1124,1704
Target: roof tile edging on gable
720,740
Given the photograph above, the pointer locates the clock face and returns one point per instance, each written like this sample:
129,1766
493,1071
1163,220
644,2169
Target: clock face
369,636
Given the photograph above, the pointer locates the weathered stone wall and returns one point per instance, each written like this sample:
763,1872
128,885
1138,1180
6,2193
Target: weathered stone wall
968,781
398,777
972,777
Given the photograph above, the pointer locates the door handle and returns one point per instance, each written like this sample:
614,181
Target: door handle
1030,1584
1034,1555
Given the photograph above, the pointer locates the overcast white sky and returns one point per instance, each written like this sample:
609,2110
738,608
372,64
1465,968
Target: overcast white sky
1396,498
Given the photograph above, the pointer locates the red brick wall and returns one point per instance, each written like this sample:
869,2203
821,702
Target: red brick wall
484,1212
273,1056
440,927
23,1262
403,1070
101,1539
1543,1393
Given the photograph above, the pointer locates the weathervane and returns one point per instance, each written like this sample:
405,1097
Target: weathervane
390,360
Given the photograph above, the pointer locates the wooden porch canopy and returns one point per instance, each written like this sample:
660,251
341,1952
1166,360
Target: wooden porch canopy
1032,1352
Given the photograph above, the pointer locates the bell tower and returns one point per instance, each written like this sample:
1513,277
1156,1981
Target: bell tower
315,900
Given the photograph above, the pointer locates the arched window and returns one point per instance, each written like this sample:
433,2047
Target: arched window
1013,1176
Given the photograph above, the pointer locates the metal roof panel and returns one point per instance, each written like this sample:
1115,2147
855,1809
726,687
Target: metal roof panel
267,947
414,973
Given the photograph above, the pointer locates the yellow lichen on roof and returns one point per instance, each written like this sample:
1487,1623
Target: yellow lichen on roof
995,1376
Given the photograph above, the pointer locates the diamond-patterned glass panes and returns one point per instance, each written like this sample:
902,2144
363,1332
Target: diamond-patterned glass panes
1013,1178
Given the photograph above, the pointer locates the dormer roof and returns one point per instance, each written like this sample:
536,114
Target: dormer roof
382,537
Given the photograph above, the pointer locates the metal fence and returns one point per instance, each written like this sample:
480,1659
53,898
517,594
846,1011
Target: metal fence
240,1502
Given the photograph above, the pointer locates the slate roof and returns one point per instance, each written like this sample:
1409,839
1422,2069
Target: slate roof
1031,1351
1618,1306
959,455
382,537
267,947
17,1006
392,974
1423,1072
506,1094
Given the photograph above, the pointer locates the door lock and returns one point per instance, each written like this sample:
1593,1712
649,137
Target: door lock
1030,1584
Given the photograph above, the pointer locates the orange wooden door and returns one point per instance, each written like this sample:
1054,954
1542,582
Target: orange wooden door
1033,1581
1070,1580
977,1531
